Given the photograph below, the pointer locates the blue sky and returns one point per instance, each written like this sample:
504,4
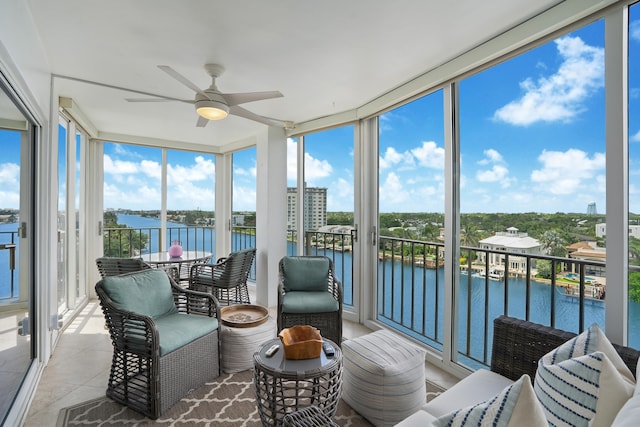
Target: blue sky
531,132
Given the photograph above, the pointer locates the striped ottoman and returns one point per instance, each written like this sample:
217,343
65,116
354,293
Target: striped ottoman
383,377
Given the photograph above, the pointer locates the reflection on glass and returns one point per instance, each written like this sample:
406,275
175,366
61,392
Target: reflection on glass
634,174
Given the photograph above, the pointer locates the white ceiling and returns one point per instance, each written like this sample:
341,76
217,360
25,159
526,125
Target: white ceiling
326,57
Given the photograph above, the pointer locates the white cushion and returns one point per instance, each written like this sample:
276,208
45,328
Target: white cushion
584,381
629,415
515,406
475,388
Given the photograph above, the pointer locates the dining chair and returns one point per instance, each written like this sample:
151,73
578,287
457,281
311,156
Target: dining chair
226,279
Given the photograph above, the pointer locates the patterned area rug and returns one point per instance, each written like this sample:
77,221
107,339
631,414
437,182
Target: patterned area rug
227,401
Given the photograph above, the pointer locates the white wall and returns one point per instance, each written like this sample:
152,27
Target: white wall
22,48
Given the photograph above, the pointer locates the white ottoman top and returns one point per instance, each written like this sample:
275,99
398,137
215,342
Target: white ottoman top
382,349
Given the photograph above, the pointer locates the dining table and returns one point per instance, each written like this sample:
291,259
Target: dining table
183,263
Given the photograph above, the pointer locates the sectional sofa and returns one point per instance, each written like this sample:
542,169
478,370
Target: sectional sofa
518,347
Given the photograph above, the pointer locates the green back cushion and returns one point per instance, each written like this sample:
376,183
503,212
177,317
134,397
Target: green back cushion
305,273
145,292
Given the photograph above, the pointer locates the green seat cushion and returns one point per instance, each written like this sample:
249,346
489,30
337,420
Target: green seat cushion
305,273
146,292
179,329
309,302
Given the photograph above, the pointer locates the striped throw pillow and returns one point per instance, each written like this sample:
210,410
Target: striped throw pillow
515,406
583,382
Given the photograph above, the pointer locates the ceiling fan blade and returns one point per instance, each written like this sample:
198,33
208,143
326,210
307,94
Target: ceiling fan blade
241,112
202,122
182,79
159,99
241,98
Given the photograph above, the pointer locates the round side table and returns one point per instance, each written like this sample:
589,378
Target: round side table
284,386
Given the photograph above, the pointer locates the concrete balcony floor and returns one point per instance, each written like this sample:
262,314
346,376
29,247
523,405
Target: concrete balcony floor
79,368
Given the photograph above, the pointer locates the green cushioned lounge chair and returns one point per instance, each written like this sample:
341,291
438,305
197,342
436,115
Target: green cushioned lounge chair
310,294
165,339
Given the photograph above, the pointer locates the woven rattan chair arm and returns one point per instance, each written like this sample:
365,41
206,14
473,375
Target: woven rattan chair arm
335,287
195,302
132,331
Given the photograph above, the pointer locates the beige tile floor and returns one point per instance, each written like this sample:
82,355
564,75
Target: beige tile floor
79,368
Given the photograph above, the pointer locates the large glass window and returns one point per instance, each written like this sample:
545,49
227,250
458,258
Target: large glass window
634,175
132,199
63,234
327,201
532,156
18,339
411,216
292,202
243,220
190,200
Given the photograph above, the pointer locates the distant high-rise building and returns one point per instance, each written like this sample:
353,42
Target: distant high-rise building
591,208
315,207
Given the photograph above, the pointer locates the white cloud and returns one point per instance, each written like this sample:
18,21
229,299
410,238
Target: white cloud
384,122
9,185
118,167
9,174
341,196
244,198
497,172
316,168
313,168
151,168
561,96
491,156
634,30
636,137
566,172
429,155
394,159
392,193
202,171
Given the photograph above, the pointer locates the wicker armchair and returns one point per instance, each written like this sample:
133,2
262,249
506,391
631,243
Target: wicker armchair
112,266
518,345
165,339
226,279
310,294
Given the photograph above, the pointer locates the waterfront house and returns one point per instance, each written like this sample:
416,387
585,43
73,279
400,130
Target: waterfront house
512,241
67,68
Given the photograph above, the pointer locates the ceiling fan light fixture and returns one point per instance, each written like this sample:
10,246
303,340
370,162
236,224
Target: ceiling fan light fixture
212,110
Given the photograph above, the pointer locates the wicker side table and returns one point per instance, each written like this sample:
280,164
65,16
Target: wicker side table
310,416
284,386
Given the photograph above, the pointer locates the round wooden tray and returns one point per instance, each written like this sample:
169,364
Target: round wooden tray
244,315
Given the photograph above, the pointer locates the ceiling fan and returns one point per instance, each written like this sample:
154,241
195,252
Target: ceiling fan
211,104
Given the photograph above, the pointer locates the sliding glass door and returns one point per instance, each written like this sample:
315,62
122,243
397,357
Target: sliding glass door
17,349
